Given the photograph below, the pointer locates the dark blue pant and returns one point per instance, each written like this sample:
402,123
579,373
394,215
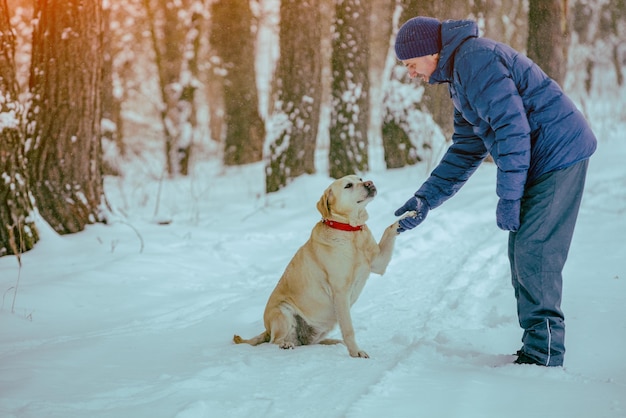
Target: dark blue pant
537,252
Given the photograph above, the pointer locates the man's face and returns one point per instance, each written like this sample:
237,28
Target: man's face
422,67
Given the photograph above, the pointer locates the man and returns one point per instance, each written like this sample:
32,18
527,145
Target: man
506,106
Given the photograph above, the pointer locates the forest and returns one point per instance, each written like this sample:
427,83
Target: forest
90,87
160,165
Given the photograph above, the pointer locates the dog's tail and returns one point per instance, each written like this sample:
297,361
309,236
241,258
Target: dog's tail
263,337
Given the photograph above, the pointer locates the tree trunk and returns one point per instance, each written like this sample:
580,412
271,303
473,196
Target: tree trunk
18,232
350,89
112,122
64,155
189,86
399,150
233,41
297,96
548,36
174,31
616,15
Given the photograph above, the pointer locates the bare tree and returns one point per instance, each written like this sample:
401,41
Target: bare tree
18,232
233,42
601,29
548,36
297,95
112,122
617,28
63,134
350,89
175,34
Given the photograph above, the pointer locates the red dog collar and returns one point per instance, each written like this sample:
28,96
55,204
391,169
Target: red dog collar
341,226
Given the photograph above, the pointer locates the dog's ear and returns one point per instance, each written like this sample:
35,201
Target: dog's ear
323,206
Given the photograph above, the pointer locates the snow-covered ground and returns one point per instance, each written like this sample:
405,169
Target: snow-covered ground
136,319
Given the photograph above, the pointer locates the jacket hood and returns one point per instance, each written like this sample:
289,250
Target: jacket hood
453,34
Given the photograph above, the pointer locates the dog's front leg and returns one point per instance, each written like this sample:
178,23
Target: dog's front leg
342,310
385,249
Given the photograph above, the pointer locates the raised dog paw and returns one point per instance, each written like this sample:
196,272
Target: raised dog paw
411,213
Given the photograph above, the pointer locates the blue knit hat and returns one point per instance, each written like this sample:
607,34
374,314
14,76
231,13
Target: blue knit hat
418,37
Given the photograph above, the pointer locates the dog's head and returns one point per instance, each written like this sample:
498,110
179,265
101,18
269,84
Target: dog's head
345,200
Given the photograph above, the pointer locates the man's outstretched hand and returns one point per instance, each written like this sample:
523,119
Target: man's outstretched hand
417,208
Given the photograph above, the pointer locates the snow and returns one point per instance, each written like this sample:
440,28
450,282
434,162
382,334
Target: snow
8,120
136,318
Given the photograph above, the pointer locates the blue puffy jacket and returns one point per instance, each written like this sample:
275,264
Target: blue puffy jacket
506,106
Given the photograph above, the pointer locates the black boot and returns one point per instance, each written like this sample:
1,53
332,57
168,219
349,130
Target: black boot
523,358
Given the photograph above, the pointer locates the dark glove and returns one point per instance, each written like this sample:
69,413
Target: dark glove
415,204
508,214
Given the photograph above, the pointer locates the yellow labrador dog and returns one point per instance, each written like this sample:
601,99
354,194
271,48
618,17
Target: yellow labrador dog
327,274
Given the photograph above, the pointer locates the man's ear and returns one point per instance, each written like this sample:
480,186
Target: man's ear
323,206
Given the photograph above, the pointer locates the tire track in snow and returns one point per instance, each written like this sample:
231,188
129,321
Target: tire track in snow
440,294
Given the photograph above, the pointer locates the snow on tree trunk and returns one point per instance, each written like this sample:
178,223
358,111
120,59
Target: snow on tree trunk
409,135
350,89
63,133
174,29
17,229
292,129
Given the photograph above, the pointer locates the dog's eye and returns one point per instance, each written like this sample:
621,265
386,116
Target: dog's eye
349,185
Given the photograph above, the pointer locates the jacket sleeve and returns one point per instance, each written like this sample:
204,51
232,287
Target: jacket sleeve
457,165
493,95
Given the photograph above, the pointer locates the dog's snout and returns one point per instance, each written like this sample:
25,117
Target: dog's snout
369,186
